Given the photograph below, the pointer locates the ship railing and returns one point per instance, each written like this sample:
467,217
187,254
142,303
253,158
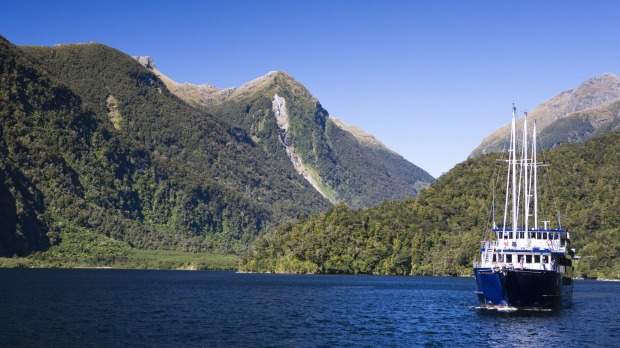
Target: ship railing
489,244
553,245
556,245
518,265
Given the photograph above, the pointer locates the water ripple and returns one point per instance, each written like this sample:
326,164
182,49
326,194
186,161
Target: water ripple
198,309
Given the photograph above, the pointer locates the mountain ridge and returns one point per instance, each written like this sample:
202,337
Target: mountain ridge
570,116
360,134
313,139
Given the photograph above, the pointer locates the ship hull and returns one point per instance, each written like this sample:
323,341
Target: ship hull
522,289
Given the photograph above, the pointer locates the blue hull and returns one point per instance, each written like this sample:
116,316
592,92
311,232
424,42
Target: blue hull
526,289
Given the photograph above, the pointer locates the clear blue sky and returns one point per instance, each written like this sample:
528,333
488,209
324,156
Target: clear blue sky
430,79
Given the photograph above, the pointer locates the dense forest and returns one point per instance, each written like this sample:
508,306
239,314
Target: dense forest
94,145
439,233
99,157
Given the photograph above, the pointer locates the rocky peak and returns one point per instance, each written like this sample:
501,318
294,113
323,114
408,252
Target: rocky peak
146,61
594,91
266,81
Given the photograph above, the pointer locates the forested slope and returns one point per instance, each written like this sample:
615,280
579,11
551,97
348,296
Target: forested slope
94,145
439,233
344,167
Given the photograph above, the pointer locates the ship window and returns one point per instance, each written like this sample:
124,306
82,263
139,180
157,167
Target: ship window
536,258
501,257
545,259
528,258
494,257
510,235
509,258
544,235
537,235
521,235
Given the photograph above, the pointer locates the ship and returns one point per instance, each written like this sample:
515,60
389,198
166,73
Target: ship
527,264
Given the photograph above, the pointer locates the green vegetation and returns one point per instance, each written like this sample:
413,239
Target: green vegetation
171,259
350,171
101,166
93,143
439,232
134,259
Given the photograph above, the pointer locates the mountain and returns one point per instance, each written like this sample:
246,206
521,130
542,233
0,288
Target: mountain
92,142
341,162
572,116
98,154
439,232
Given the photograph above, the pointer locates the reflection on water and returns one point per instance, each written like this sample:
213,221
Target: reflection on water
521,328
590,322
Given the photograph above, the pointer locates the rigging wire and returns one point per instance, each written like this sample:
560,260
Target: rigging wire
554,200
496,183
491,212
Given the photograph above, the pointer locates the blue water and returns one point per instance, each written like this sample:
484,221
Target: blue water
77,308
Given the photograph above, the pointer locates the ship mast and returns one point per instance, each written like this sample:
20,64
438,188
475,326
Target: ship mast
526,186
535,170
513,146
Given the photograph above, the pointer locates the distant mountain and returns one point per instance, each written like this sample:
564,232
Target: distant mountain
341,162
572,116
